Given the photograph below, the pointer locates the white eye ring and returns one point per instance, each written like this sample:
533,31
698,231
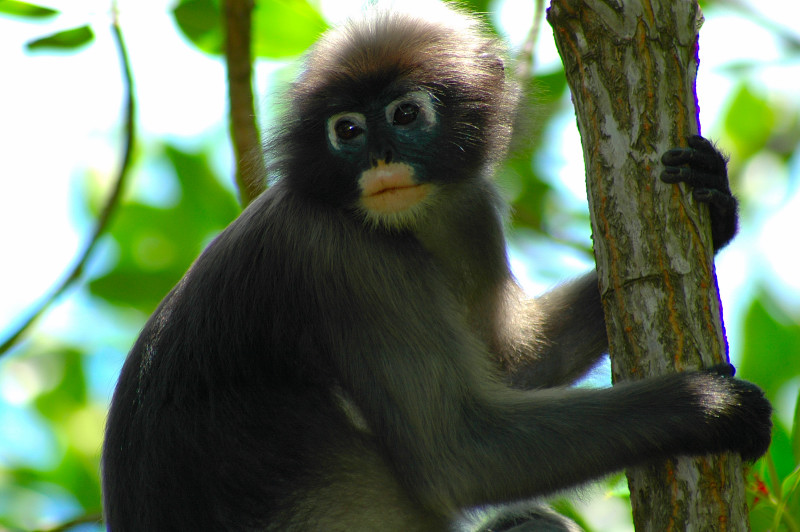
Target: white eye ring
423,100
356,118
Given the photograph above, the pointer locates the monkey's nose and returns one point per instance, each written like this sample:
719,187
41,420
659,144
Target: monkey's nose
384,157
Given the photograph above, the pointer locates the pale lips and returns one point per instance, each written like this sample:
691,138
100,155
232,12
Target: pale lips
390,188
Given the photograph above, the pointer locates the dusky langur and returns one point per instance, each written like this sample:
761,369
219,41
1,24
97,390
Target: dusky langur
353,353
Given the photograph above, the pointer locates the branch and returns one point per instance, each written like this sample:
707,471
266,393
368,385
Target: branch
250,171
525,57
111,203
82,520
631,67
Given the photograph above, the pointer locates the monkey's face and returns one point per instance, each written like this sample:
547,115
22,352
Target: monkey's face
383,123
387,147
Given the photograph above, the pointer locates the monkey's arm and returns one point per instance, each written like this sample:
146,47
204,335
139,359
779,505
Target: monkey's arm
570,317
419,374
456,440
571,335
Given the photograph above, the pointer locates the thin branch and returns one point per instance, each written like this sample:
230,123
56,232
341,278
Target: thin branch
525,59
82,520
111,203
250,171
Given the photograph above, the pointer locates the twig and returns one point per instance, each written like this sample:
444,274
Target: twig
250,171
82,520
525,57
111,203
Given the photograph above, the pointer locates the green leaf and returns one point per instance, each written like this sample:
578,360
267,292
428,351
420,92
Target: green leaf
24,9
771,345
750,121
281,28
285,28
528,190
157,245
547,89
796,430
63,40
79,475
129,286
70,393
476,6
201,22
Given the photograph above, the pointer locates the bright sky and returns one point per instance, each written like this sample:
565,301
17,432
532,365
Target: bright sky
58,114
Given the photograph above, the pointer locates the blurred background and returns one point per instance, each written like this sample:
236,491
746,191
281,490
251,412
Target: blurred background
62,138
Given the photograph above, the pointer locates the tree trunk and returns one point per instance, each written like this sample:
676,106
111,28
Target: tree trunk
631,67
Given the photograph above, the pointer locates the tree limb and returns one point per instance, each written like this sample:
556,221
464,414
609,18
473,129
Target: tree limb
631,67
111,204
250,171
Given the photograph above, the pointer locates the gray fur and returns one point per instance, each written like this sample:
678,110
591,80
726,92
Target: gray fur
315,371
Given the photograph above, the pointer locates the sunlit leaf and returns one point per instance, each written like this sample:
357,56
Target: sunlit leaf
284,28
127,285
281,28
79,474
750,121
476,6
547,89
796,430
529,191
791,483
771,354
201,22
63,40
70,394
761,515
24,9
156,244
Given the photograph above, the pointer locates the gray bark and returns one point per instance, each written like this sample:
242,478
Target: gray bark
631,67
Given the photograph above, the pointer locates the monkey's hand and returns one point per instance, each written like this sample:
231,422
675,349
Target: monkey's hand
704,168
736,411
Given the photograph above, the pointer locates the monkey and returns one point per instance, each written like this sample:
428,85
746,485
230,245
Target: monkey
353,352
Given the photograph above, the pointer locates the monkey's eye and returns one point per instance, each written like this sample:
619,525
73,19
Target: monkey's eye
413,110
405,114
347,129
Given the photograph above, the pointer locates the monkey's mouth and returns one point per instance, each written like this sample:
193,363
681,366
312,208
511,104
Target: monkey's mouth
390,188
395,199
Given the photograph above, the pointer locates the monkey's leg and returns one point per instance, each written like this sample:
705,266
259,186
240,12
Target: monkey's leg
529,517
356,489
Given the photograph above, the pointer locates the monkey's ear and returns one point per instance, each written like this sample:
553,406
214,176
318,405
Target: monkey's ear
494,61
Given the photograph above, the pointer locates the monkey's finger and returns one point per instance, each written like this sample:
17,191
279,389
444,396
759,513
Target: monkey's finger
722,201
725,369
700,155
695,178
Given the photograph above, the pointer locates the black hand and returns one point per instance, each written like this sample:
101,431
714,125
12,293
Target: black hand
703,167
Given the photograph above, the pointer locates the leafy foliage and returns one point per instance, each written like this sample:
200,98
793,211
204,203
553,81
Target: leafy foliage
25,10
157,244
63,40
280,28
